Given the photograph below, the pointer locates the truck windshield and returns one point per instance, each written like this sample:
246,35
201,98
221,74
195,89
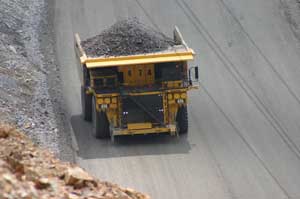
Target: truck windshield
104,77
168,71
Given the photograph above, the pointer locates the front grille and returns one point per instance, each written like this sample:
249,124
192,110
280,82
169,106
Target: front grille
140,109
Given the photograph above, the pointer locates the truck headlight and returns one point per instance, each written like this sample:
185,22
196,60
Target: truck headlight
180,101
104,106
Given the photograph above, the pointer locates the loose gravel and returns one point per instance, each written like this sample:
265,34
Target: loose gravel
291,11
29,85
127,37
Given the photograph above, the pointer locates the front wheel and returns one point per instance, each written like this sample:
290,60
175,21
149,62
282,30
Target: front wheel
182,120
100,122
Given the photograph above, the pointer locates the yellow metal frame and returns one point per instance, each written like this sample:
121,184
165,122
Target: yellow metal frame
136,126
137,75
170,106
171,129
137,59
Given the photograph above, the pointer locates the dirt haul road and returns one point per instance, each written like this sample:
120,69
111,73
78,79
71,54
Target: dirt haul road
244,135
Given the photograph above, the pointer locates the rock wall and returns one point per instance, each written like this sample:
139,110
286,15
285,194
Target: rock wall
27,171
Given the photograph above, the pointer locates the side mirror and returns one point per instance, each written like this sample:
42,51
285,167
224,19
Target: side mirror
196,74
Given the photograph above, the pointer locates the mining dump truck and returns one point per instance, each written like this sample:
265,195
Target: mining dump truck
137,94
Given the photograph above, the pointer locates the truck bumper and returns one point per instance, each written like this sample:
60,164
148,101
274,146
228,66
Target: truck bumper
169,129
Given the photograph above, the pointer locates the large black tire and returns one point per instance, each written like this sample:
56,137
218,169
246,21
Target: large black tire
182,120
86,103
100,122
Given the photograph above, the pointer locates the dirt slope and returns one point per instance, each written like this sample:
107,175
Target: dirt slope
27,171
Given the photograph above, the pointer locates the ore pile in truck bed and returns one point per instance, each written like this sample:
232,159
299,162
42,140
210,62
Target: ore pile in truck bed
126,37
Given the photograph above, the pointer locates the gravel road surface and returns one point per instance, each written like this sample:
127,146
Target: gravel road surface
244,135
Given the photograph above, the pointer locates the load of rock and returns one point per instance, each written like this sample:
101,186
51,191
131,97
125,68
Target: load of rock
27,171
126,37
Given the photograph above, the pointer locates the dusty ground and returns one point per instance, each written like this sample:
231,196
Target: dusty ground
30,95
244,136
291,9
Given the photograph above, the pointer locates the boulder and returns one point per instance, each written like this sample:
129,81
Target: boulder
4,131
76,176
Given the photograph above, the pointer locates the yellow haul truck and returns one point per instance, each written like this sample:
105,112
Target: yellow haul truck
137,94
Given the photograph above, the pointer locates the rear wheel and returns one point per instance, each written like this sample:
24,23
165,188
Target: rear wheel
86,103
182,120
100,122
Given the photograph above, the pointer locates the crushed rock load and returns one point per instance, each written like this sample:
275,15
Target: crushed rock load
27,171
126,37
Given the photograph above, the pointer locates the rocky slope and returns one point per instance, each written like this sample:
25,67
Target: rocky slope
27,171
30,95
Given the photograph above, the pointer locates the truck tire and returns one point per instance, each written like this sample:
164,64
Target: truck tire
86,103
100,122
182,120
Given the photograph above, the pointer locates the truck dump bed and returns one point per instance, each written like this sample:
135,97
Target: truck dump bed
178,52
